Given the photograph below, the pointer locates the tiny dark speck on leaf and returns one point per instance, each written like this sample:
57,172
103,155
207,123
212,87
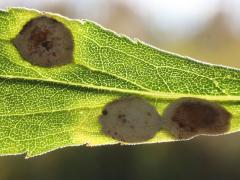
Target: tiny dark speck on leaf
104,112
121,116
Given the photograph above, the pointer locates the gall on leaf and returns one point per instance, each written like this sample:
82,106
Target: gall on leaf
189,117
45,42
130,119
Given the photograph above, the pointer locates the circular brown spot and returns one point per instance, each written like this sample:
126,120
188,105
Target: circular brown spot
45,42
188,117
127,117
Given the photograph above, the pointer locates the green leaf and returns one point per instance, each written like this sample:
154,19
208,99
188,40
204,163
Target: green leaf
42,109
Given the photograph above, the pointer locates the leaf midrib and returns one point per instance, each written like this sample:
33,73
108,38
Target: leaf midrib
153,94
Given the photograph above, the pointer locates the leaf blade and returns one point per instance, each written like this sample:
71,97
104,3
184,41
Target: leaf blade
106,66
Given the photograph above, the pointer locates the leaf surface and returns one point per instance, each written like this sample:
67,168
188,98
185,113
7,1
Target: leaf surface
42,109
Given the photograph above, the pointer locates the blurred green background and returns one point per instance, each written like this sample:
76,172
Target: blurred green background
208,30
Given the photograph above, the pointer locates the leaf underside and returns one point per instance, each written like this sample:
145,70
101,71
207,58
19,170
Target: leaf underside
42,109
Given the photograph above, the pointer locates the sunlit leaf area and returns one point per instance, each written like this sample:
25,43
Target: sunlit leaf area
203,30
